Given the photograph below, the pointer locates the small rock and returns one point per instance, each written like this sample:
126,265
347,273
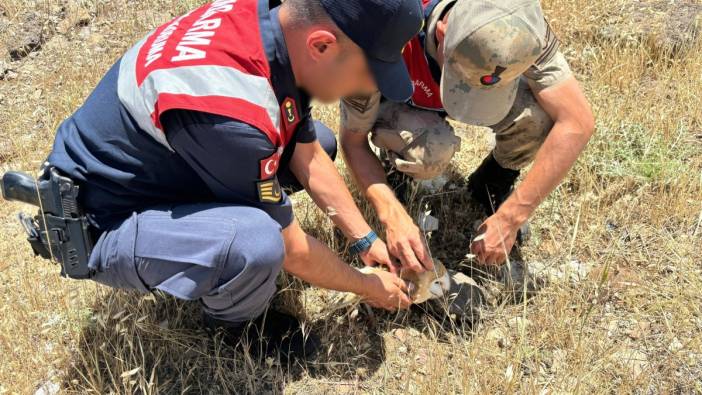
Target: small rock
498,336
573,271
613,329
48,388
518,280
402,349
675,345
639,330
465,298
11,75
85,32
611,226
635,360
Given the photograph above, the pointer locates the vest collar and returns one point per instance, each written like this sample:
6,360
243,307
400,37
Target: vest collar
282,77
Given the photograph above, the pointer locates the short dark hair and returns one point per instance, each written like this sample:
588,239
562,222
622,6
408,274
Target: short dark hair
307,12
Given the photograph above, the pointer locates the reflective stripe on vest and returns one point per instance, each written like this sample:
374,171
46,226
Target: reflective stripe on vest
209,60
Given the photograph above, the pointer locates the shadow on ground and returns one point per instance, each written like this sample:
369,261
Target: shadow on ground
136,343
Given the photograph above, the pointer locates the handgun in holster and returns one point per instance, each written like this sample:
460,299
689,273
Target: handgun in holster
60,231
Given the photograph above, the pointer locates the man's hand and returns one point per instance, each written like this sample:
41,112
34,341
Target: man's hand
573,126
496,238
386,290
377,254
309,260
405,241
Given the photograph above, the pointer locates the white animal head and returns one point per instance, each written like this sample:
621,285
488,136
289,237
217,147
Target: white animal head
440,286
431,285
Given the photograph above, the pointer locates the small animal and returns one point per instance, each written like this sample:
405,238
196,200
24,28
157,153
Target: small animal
431,284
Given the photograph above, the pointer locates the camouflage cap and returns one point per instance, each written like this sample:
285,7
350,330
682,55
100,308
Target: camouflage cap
489,44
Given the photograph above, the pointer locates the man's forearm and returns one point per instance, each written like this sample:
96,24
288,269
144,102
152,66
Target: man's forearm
370,177
553,161
322,180
311,261
404,239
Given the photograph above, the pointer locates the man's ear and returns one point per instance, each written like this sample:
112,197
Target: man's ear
440,30
322,43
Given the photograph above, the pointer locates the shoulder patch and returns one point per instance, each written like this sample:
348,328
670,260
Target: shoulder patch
358,103
290,112
269,191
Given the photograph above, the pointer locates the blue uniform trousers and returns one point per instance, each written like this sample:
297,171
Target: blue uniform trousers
224,255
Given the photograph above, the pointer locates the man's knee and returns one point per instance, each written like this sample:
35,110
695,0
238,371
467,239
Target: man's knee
420,143
257,248
522,133
248,277
326,139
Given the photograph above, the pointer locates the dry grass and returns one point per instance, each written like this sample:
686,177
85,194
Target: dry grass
631,208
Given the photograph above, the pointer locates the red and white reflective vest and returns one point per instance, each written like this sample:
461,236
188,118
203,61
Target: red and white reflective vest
211,60
427,93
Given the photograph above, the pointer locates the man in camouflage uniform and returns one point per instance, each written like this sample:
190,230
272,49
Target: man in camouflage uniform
490,63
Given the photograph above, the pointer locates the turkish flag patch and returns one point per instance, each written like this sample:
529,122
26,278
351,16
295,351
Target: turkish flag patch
269,166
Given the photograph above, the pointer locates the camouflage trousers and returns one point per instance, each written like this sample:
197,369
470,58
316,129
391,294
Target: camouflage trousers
422,143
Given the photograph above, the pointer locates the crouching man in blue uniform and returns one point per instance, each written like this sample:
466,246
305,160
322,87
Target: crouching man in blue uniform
184,150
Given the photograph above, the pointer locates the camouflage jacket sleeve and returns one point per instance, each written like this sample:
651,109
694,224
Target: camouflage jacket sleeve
551,68
359,113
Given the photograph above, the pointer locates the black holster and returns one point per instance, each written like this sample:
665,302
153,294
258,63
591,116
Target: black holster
60,231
